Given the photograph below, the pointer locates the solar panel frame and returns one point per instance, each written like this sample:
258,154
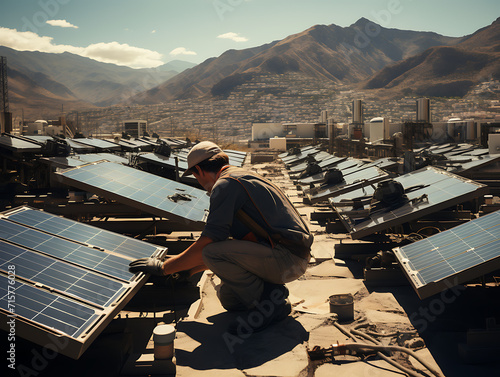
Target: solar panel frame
452,257
141,190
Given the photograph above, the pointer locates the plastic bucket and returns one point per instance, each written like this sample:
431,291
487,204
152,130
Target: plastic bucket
343,306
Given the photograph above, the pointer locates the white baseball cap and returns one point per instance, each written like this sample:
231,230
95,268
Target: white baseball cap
200,152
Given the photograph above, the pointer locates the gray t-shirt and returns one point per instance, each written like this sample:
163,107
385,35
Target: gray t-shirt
238,189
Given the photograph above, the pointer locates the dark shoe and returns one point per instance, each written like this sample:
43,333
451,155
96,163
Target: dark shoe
264,314
274,292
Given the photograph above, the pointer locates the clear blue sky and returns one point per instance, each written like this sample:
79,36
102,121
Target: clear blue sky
147,33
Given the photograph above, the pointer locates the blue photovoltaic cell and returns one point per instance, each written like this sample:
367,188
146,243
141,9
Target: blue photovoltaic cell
59,275
455,250
84,233
64,249
46,308
142,190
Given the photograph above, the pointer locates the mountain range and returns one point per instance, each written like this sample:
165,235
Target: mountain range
343,55
48,79
364,55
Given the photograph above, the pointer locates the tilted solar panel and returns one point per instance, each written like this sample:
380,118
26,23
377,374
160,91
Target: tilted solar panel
67,279
452,257
144,191
429,190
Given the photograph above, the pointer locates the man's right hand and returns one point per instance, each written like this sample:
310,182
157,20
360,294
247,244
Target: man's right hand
153,266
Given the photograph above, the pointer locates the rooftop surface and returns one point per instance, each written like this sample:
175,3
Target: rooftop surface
435,329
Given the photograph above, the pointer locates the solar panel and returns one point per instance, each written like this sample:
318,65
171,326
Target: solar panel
162,160
98,143
428,190
318,157
94,157
70,279
144,191
296,158
19,145
476,163
478,152
82,159
356,179
302,150
78,147
452,257
343,165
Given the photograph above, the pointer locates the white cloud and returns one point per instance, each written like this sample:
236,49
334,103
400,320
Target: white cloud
61,23
233,36
112,52
153,31
182,51
123,54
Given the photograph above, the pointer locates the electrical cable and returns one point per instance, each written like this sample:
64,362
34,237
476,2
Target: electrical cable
379,347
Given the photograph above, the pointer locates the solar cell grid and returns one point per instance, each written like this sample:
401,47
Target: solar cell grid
46,308
59,275
142,190
64,249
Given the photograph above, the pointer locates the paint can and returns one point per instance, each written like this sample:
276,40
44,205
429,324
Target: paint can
343,306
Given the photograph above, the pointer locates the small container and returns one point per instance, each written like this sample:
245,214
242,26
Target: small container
343,306
163,338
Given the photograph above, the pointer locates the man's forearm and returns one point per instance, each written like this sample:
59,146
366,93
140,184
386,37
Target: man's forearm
189,259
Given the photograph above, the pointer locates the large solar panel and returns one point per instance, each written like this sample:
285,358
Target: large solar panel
70,278
452,257
144,191
428,190
18,145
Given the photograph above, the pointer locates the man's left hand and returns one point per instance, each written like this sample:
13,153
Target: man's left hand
153,266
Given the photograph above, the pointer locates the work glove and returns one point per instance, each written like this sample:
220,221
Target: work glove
153,266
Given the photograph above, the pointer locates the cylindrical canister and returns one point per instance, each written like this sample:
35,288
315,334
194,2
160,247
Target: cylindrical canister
343,306
163,338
